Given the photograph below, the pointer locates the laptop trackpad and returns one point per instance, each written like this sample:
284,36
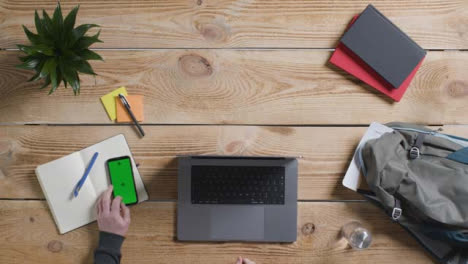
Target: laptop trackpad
237,223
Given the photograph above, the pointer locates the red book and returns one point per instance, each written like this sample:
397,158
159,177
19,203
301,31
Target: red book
345,59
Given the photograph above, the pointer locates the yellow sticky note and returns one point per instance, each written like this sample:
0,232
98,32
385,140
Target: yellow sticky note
108,101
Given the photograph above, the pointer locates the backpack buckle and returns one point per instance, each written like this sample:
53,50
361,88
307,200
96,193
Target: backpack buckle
396,214
414,153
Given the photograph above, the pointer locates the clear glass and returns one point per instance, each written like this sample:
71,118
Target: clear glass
357,236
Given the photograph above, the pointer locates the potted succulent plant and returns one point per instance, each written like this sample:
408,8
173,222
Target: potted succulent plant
59,51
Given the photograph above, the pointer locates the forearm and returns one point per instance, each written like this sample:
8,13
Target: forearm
108,251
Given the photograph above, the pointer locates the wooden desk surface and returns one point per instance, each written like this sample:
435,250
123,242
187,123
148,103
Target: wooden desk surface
222,77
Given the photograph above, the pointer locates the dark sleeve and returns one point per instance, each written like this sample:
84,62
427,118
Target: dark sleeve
108,251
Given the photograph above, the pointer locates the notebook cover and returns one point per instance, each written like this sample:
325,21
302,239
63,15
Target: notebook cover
345,59
136,104
383,46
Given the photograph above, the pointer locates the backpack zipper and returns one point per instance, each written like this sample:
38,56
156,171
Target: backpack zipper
416,130
397,211
452,138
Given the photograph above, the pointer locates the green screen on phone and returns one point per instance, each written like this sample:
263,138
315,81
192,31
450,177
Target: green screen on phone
121,176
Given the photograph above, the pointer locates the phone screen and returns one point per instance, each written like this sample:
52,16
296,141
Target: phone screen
121,177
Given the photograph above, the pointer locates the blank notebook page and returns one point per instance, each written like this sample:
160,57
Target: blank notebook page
58,180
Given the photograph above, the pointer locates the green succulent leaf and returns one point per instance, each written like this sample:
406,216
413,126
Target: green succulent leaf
40,66
70,19
30,64
35,77
69,56
62,70
85,42
44,49
59,51
23,58
59,77
49,66
80,31
57,20
34,50
38,23
55,78
87,54
77,91
35,39
72,78
26,49
46,83
40,48
47,24
84,67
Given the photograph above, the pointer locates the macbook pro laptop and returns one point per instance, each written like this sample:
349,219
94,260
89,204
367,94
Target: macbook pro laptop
225,198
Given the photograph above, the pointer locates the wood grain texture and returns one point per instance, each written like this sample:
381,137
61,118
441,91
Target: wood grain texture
324,153
267,70
29,235
239,87
434,24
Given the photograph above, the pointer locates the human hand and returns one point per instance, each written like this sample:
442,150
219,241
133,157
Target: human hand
113,216
241,260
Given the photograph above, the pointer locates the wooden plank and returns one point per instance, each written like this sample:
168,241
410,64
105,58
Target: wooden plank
239,87
434,24
29,235
324,153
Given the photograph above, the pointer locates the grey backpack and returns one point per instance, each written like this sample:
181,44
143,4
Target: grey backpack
420,178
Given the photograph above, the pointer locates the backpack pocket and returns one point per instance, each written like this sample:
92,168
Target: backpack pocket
438,187
459,155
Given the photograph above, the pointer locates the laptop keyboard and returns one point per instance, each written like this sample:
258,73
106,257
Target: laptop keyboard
237,185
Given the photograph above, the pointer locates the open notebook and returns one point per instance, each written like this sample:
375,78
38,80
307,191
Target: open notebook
58,179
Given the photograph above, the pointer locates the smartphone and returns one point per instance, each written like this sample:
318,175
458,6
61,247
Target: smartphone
121,177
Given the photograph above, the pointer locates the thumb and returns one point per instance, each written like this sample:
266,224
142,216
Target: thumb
248,261
125,212
239,260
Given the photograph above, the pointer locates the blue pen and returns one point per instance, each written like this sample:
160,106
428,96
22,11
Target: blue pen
85,175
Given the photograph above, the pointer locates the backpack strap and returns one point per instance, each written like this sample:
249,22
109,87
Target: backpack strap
396,211
366,192
457,238
415,149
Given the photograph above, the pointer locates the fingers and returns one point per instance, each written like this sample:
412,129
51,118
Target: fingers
125,212
106,200
116,205
98,206
248,261
239,260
